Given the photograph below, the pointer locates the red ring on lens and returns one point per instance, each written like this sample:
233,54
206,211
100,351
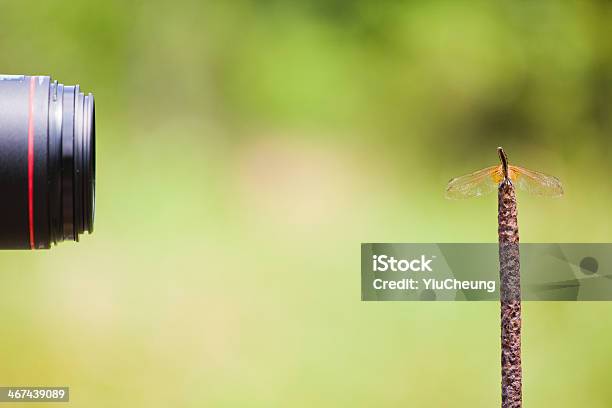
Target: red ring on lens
31,163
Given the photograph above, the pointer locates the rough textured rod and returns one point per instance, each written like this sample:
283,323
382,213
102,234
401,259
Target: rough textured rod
510,294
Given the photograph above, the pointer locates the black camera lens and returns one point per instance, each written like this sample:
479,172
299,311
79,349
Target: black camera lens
47,162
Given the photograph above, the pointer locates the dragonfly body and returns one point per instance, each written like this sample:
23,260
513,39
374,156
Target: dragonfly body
504,162
487,180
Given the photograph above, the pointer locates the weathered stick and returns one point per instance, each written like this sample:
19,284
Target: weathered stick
510,295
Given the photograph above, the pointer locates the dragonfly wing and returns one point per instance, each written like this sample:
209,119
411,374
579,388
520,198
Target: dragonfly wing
474,184
535,182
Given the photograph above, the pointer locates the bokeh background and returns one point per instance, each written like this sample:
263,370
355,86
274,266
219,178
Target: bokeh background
247,148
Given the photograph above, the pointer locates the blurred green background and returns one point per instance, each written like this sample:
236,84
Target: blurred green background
247,148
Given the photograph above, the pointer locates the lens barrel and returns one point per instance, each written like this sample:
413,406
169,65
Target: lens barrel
47,162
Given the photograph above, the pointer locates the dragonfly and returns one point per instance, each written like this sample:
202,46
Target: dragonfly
487,180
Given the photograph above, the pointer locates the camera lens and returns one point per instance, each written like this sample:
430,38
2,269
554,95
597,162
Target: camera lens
47,162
